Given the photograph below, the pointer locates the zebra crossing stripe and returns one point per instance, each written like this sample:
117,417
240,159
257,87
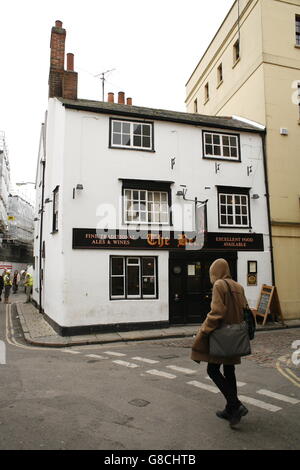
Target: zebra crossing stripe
70,351
143,359
206,387
182,369
278,396
113,353
126,364
161,374
96,356
239,384
259,404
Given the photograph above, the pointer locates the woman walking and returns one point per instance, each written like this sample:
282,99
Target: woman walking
226,307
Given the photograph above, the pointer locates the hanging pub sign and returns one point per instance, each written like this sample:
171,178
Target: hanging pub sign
110,239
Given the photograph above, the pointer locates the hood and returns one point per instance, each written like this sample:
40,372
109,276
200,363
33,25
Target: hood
219,270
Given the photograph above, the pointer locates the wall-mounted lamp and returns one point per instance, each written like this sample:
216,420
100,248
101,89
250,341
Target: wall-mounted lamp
182,192
79,187
255,196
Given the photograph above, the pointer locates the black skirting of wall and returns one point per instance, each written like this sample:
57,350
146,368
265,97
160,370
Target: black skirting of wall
94,329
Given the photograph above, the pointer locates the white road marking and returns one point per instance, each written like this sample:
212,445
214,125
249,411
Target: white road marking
126,364
96,356
113,353
182,369
259,404
239,384
206,387
161,374
70,351
278,396
143,359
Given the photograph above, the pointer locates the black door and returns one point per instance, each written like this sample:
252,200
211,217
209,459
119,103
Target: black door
190,288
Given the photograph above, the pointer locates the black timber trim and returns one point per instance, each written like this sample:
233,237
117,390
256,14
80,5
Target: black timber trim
98,328
161,117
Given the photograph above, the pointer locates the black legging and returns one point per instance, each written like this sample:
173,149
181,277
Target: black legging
226,383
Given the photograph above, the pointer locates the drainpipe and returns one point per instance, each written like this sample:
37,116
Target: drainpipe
43,162
268,206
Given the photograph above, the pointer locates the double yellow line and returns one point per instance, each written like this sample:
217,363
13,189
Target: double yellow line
288,374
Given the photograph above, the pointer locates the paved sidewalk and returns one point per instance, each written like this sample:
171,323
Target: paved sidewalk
38,332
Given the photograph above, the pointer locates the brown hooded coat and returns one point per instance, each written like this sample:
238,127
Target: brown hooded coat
223,309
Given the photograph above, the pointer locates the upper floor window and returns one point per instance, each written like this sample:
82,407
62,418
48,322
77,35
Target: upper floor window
206,92
220,74
297,30
55,209
196,106
219,145
236,51
234,208
131,134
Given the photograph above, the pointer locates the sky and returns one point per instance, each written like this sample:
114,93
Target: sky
152,48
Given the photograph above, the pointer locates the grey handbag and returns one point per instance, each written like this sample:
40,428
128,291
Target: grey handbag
230,340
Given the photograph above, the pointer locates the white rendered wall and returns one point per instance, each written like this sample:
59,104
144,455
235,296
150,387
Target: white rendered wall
76,285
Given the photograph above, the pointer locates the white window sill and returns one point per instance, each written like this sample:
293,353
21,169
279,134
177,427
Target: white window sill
236,62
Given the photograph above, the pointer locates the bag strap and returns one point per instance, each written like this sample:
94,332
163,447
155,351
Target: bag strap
232,296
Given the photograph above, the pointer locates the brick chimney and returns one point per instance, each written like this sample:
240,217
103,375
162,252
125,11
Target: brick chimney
121,97
111,97
62,83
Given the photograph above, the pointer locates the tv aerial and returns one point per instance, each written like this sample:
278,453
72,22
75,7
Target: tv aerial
102,78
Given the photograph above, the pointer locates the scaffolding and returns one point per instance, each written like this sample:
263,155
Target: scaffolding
20,221
4,184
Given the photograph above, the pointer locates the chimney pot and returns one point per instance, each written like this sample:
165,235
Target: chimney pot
58,24
129,101
70,61
111,97
121,97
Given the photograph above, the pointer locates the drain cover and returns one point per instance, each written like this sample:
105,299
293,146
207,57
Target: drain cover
139,402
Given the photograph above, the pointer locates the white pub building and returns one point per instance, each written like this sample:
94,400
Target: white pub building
134,204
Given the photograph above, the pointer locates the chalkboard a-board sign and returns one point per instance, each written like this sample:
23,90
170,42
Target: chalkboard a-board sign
268,304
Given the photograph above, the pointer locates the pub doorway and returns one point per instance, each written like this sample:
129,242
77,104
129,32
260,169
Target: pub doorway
189,284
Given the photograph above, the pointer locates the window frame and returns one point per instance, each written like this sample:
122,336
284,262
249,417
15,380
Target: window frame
148,186
221,157
141,295
233,191
219,74
236,51
297,33
206,92
55,200
131,147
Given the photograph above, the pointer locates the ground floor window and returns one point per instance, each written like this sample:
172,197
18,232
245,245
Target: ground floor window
133,277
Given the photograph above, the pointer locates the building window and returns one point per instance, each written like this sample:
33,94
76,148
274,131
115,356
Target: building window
143,207
131,134
234,208
220,74
206,92
196,106
297,30
55,209
236,51
133,277
221,146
